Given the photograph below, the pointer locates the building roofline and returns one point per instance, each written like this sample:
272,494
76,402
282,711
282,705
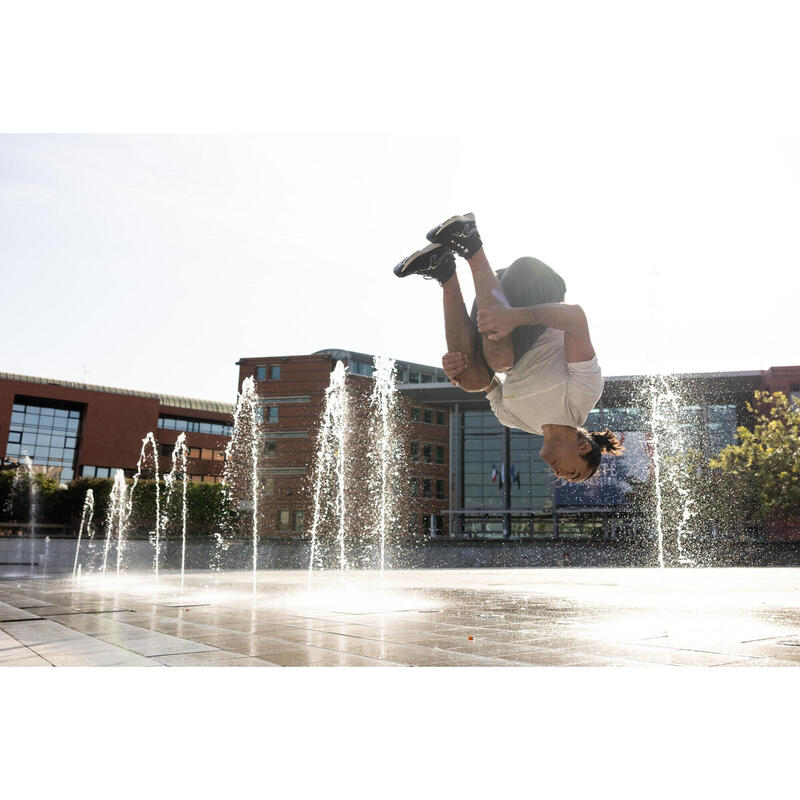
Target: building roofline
754,373
173,401
342,353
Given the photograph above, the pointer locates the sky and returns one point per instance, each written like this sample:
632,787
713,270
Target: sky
654,164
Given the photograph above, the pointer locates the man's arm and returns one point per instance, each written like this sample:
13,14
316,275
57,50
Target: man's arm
498,322
469,376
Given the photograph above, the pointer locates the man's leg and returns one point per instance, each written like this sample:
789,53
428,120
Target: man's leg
499,354
462,337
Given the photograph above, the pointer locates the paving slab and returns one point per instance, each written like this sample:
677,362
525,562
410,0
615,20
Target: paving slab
60,646
212,658
10,613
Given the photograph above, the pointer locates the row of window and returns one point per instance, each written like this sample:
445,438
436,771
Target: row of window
45,411
98,472
431,524
285,521
53,456
403,375
110,472
194,426
201,453
42,439
29,421
427,452
425,377
428,416
427,488
274,372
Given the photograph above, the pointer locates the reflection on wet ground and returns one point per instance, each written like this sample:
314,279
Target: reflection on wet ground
481,617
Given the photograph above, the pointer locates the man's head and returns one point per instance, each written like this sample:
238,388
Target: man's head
577,458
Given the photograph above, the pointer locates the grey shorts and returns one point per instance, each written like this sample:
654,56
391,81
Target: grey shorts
527,282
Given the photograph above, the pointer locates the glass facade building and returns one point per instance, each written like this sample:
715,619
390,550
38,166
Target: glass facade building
500,486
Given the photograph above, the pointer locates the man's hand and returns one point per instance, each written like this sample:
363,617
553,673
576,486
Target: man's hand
454,364
497,322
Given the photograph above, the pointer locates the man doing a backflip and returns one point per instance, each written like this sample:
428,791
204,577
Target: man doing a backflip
519,326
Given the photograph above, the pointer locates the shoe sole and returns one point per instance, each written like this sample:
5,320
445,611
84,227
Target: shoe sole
434,232
400,269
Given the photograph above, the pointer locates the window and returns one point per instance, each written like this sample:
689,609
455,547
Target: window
261,373
104,472
428,416
426,453
426,487
275,373
272,414
414,487
413,377
268,486
271,401
425,378
440,418
414,414
47,434
361,368
299,521
204,453
415,451
440,454
269,449
283,520
439,489
191,425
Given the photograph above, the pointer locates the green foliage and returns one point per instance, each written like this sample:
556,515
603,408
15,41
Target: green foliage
761,474
15,495
207,509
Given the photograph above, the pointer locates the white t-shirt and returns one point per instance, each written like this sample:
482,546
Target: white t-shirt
543,389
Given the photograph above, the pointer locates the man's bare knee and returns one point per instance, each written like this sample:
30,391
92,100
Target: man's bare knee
499,355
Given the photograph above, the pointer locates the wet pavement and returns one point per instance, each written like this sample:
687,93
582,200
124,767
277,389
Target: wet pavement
469,618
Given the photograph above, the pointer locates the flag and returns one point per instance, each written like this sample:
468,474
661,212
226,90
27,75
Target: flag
494,473
502,475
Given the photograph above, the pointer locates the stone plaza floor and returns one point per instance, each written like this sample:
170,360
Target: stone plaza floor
455,618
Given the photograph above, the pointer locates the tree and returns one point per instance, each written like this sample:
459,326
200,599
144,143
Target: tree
760,476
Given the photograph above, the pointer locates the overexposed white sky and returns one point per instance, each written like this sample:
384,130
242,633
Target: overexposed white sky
647,154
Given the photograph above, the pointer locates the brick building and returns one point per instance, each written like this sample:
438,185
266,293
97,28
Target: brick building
291,392
72,430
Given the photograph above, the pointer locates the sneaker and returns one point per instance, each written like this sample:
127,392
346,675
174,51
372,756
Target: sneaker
458,233
434,261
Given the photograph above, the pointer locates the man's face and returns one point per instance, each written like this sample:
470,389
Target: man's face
565,458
